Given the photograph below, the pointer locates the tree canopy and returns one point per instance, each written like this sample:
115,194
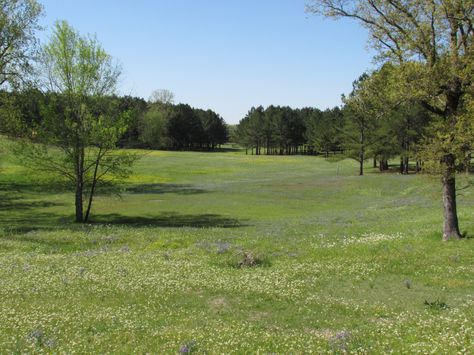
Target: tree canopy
81,126
18,44
431,42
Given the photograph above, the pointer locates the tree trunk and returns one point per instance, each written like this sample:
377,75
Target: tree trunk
361,163
467,163
94,183
451,225
79,211
79,171
375,161
91,197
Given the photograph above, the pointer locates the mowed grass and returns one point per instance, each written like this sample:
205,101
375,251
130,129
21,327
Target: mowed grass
347,263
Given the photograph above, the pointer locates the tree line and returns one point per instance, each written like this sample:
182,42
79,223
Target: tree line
150,124
180,127
369,125
277,130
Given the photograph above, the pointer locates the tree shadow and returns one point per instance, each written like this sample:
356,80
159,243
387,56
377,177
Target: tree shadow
9,202
170,219
180,189
35,187
25,222
52,242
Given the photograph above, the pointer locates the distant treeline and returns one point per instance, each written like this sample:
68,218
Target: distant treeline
359,130
282,130
150,125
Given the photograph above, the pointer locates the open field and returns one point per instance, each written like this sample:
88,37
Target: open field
346,263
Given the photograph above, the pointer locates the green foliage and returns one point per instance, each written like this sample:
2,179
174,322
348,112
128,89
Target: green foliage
323,130
436,304
182,127
18,45
80,125
152,128
431,45
274,130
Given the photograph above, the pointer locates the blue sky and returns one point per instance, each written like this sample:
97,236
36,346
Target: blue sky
226,55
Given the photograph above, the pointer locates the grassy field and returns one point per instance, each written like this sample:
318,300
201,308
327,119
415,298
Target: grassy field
345,263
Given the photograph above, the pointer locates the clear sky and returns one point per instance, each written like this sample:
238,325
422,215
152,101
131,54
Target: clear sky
226,55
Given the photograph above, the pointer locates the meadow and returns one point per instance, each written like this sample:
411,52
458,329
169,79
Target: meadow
343,264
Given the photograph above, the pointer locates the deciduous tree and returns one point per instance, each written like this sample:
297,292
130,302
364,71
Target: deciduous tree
81,124
432,42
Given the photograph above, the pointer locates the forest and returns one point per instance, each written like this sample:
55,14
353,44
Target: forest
152,124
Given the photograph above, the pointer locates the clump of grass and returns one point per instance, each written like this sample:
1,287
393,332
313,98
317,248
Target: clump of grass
340,342
436,304
248,259
190,347
38,337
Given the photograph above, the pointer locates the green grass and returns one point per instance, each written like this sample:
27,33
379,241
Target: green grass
345,263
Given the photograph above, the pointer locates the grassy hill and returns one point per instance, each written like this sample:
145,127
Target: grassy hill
342,262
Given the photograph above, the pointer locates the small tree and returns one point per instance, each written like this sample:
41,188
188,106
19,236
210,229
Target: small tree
81,124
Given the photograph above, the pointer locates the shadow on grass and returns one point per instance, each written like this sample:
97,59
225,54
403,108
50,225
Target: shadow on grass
170,219
36,187
181,189
21,214
46,242
13,203
18,222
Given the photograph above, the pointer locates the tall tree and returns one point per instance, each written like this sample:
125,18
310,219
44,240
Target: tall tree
18,44
432,41
81,124
18,49
360,122
323,130
161,96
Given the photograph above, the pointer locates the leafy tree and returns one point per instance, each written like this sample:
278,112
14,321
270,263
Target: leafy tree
81,125
18,48
323,130
432,42
183,127
360,122
136,108
161,96
18,44
153,127
215,129
250,131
